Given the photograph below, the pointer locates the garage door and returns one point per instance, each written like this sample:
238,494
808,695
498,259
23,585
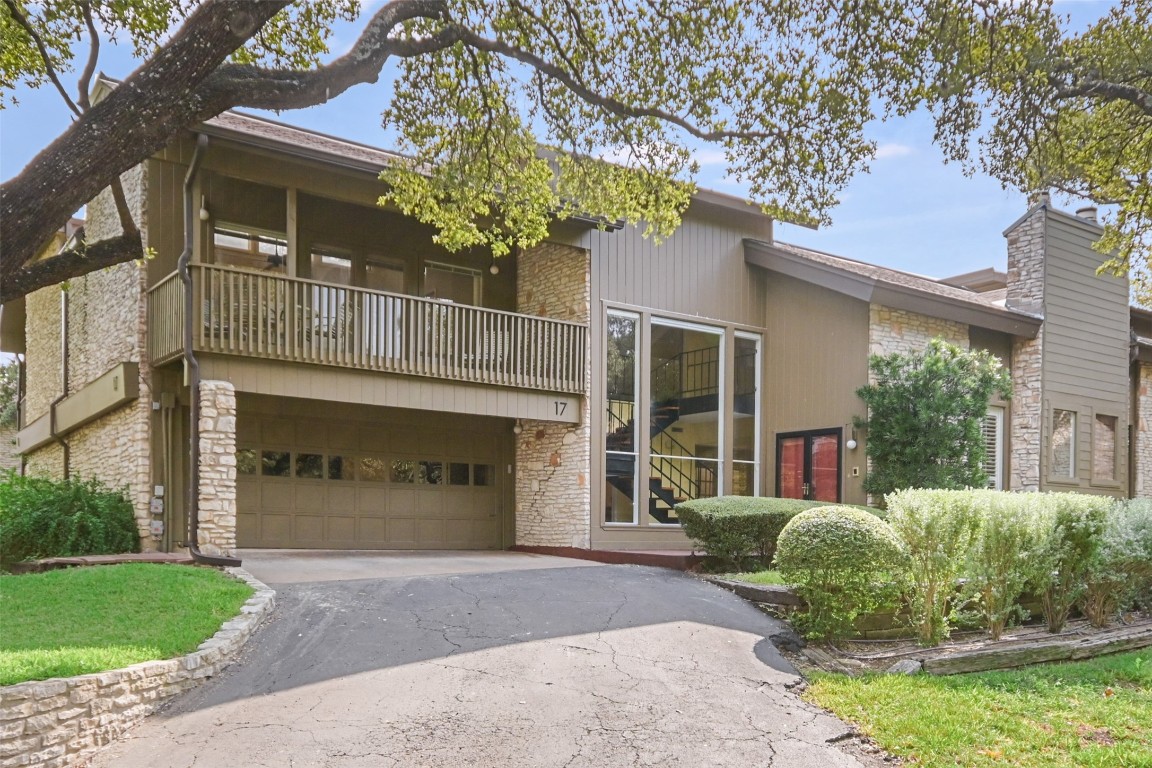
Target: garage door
405,482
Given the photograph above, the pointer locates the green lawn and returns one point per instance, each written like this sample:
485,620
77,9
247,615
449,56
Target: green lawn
81,620
755,577
1088,713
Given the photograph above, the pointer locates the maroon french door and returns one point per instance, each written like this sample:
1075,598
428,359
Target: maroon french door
808,465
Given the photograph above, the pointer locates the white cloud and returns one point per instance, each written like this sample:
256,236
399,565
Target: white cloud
710,157
892,149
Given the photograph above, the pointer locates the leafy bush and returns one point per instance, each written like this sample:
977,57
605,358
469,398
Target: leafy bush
741,531
1120,572
60,518
1072,527
1000,560
936,528
843,562
925,412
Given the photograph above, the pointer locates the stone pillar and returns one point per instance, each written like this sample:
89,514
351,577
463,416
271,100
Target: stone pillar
553,502
217,500
1141,468
1026,293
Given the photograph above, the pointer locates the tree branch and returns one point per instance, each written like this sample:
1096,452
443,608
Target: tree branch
70,264
50,70
85,82
608,103
258,88
1090,86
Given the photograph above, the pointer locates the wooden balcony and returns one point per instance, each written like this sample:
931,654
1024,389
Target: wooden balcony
239,312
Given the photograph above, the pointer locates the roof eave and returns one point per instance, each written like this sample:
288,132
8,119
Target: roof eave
782,261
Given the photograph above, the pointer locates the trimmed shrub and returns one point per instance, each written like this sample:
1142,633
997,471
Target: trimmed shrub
1119,574
61,518
1072,528
843,562
1001,558
741,531
936,528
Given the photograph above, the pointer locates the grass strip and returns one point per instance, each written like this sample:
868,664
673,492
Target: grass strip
1095,713
81,620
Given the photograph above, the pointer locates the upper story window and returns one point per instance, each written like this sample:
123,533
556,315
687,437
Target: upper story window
1063,444
331,266
384,275
235,245
448,282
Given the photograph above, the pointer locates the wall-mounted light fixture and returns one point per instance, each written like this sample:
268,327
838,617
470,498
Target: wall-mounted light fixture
517,428
204,215
851,444
495,268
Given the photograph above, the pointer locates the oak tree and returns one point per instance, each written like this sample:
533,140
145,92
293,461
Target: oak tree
508,110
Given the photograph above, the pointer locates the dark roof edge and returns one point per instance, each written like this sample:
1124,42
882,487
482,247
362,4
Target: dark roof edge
782,261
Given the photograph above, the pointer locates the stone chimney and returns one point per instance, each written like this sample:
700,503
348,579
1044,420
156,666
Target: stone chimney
1026,250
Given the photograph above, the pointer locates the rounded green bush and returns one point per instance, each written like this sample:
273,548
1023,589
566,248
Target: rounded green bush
843,562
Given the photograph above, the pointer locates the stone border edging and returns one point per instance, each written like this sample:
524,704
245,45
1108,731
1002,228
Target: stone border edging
773,594
63,722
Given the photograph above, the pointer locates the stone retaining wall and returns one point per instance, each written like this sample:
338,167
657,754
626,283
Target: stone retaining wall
63,722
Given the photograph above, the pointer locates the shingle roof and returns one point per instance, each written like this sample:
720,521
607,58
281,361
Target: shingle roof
235,124
896,277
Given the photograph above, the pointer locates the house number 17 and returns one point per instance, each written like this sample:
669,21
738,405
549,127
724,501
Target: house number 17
561,406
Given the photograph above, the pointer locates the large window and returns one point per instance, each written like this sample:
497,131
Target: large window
235,245
620,418
746,417
671,413
684,416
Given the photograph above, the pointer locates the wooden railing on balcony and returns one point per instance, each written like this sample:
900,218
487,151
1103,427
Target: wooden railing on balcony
279,318
166,320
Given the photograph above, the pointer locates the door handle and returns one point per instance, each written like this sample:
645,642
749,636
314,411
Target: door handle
807,488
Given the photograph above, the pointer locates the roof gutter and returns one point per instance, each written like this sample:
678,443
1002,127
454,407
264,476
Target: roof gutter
192,365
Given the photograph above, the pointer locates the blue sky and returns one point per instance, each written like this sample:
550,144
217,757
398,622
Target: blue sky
912,211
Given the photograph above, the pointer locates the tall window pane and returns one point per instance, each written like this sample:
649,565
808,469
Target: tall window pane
620,418
1104,448
745,417
1063,443
684,416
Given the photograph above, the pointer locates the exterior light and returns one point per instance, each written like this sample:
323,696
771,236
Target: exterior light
850,445
517,428
495,268
204,215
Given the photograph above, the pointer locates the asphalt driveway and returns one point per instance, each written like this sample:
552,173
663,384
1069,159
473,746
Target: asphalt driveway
497,660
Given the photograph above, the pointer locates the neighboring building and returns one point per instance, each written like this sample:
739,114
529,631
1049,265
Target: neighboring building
362,388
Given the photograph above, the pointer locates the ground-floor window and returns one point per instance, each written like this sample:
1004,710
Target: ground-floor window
679,397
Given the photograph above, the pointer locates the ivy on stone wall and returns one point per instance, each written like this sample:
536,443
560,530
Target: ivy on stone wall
925,411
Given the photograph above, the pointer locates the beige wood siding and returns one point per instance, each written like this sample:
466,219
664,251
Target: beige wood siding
350,386
817,357
365,512
697,274
1086,342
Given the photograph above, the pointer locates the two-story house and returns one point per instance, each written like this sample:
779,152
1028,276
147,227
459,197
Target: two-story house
321,374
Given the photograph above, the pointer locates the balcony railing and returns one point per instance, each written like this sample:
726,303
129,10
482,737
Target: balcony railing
279,318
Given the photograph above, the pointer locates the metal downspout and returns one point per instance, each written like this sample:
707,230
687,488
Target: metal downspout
192,365
64,445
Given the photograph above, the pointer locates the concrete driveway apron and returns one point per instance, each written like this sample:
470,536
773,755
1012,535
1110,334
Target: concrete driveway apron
492,660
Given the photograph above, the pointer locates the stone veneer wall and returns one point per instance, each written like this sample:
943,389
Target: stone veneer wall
898,330
64,722
9,459
217,529
1026,293
107,325
1142,421
553,499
